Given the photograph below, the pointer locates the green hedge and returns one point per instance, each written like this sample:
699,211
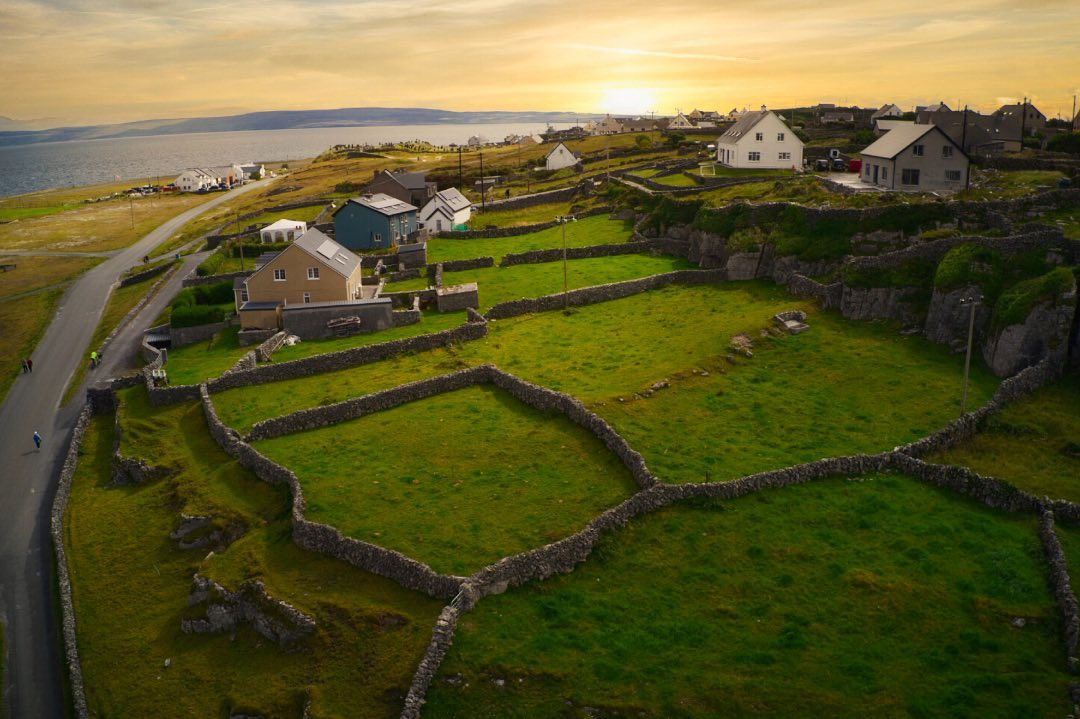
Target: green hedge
1016,303
194,315
211,265
254,249
219,293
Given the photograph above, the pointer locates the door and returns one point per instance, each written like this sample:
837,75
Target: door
875,174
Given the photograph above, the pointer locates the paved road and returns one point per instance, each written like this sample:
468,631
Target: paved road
33,680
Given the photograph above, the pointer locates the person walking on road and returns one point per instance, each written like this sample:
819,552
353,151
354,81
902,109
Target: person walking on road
93,359
25,369
37,440
29,364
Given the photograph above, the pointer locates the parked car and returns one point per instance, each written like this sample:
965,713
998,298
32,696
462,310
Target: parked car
821,165
838,165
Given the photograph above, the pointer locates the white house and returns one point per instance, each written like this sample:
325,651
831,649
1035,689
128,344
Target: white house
760,140
195,179
282,231
560,157
915,158
680,122
886,111
445,211
244,171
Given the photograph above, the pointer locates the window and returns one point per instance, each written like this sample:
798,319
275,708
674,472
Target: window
243,295
952,175
909,177
754,157
785,156
376,238
779,137
759,136
884,173
946,150
279,275
307,297
313,273
917,150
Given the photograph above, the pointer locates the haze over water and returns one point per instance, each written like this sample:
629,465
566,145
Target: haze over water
29,168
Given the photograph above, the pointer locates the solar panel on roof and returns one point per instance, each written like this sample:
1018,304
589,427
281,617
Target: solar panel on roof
327,249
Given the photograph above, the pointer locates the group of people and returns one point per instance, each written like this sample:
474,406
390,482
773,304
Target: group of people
27,365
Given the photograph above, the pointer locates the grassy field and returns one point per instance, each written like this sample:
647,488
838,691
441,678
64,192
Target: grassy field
94,227
22,324
430,321
597,230
129,617
874,597
677,180
1033,443
459,480
1008,184
502,284
745,415
519,217
33,273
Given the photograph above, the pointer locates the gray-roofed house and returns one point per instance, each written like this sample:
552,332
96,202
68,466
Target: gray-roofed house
410,187
560,156
312,269
886,111
373,222
448,210
760,140
915,158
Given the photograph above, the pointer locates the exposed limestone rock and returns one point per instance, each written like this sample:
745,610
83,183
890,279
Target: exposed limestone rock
947,320
272,618
1045,333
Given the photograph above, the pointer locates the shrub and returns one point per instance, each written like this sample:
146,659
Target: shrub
211,265
194,315
966,265
1016,303
184,298
254,249
1065,143
215,294
915,273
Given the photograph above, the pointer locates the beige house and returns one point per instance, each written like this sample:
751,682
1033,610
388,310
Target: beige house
312,269
915,158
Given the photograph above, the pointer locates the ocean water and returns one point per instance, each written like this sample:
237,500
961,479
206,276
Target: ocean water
159,159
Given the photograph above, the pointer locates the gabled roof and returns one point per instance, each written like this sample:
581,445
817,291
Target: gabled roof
744,125
408,180
899,139
284,224
383,204
328,252
887,125
557,147
454,199
887,110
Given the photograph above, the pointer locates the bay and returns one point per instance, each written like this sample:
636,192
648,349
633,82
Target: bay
161,158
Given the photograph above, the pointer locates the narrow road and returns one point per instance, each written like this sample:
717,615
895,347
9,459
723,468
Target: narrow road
33,679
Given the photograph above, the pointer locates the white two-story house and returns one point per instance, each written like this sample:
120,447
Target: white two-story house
760,140
447,210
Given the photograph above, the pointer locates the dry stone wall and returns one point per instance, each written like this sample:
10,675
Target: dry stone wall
347,358
56,525
442,636
215,279
574,253
601,293
145,275
1062,587
274,619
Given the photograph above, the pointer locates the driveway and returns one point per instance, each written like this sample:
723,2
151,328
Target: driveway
33,679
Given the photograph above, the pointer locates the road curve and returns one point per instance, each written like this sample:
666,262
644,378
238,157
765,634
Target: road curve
33,679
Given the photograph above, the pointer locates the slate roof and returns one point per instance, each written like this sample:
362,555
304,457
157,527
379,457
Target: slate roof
895,141
454,199
743,126
328,252
384,204
410,180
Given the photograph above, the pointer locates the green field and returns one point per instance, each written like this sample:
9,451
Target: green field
129,616
502,284
745,415
1033,444
869,597
597,230
460,480
677,180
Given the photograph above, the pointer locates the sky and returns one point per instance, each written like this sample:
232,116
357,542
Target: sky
75,62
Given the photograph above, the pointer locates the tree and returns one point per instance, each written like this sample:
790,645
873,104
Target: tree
643,142
674,139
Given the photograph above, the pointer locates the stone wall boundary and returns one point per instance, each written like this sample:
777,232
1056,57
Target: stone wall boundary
145,274
936,249
601,293
134,311
1060,584
215,279
828,296
322,538
265,351
1012,388
345,359
535,257
67,608
442,636
519,230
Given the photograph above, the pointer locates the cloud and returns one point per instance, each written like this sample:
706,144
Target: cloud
656,53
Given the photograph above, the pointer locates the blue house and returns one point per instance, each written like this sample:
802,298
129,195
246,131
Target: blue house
373,222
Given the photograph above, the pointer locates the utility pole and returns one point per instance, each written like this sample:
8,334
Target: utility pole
963,134
461,182
1072,125
1023,123
562,220
971,302
131,205
239,239
483,195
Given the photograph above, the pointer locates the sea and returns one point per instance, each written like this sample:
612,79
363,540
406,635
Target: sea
159,159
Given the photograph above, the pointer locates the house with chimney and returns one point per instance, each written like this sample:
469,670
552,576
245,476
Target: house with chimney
410,187
916,158
448,210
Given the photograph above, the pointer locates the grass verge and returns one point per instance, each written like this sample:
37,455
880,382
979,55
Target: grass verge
22,324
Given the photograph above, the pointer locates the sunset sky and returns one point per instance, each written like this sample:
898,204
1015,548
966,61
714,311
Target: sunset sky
68,62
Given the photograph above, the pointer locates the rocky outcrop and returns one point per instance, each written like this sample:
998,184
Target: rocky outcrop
1044,334
274,619
879,303
947,319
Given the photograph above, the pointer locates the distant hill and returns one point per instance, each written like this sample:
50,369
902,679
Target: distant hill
284,120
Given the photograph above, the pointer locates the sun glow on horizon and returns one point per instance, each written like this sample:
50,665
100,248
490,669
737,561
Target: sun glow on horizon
628,100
